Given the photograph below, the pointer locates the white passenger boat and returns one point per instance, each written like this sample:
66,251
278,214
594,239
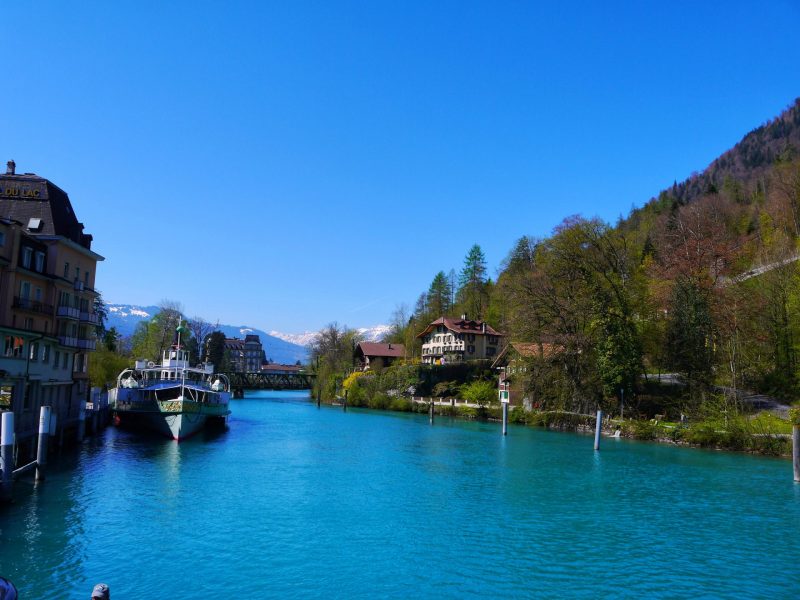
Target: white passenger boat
171,398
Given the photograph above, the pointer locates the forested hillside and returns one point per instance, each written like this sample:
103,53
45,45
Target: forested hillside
672,288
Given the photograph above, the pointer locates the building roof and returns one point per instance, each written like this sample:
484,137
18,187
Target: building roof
272,367
234,343
252,337
527,350
384,350
462,326
28,197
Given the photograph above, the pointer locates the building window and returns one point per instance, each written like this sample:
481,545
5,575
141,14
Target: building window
37,294
490,351
25,290
46,354
27,256
471,349
33,355
77,273
56,359
14,346
86,278
65,363
39,261
66,270
2,238
28,323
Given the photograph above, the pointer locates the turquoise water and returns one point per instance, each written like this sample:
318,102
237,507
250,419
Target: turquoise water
293,501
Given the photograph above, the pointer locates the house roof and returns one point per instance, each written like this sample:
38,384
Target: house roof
527,350
462,326
28,197
387,350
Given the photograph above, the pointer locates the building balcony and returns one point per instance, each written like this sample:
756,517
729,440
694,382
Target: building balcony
89,317
84,344
68,312
32,305
68,341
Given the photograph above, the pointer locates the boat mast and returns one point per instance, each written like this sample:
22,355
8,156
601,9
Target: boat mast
181,329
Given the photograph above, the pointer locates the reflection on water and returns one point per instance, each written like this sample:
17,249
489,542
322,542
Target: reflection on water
293,501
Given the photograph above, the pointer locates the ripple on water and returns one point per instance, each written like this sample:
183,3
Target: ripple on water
295,501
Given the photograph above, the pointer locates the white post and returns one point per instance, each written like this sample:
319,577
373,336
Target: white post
6,454
44,434
597,428
505,418
796,452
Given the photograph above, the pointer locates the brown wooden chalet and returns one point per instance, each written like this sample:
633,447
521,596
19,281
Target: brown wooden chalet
373,355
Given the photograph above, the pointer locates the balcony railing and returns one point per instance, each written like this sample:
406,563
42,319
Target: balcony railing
68,341
86,344
69,312
32,305
89,317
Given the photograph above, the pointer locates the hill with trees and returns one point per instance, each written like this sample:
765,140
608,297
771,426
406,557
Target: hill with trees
700,282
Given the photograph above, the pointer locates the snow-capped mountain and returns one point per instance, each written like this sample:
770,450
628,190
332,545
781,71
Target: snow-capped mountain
125,318
368,334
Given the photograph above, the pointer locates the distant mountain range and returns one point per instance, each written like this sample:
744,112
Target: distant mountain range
125,317
285,348
368,334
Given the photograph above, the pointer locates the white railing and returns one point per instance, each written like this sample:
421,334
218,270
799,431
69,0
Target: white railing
89,317
68,311
68,341
87,344
443,401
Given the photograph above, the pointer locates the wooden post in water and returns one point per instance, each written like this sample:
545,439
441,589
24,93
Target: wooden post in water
598,426
41,449
81,420
431,410
344,404
6,454
796,452
505,418
319,398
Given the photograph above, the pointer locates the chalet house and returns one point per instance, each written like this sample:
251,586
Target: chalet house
513,362
454,340
370,355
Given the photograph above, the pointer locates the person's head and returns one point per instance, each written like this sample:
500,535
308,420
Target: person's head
100,592
7,590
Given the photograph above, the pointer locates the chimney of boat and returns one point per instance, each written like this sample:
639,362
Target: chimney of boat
11,167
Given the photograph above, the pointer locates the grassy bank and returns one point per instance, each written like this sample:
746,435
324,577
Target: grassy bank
759,434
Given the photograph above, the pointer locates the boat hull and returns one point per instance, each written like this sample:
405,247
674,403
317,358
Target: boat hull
178,418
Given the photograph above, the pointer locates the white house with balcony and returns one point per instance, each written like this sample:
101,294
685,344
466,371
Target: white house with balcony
454,340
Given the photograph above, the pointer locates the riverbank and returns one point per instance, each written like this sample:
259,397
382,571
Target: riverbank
761,434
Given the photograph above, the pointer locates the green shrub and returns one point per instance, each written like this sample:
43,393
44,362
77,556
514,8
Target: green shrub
380,401
400,404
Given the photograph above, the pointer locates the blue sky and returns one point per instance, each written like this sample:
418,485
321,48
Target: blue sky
290,164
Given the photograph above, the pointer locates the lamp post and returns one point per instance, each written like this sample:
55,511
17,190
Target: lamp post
503,392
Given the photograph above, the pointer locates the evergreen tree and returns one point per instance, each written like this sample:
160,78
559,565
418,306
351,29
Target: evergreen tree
438,299
472,282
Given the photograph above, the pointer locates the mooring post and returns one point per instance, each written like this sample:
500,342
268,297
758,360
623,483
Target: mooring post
431,410
597,428
81,420
41,449
344,404
6,454
796,451
319,398
505,418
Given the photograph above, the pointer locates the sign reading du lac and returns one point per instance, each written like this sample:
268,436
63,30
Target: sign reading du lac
22,190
